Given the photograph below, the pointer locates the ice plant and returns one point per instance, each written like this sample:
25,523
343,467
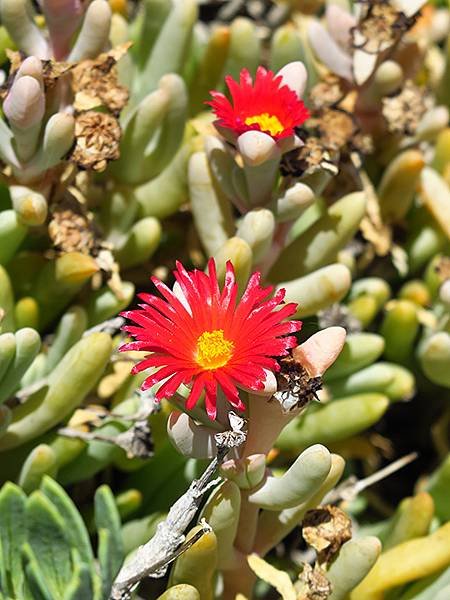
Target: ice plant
268,105
203,336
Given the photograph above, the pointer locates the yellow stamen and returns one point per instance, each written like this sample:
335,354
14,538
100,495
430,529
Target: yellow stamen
266,122
213,350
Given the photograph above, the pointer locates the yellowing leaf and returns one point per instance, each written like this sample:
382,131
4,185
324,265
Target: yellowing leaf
277,579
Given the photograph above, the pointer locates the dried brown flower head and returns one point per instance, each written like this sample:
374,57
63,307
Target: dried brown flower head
328,92
314,584
313,155
95,82
97,138
326,529
380,27
404,111
337,128
71,229
296,388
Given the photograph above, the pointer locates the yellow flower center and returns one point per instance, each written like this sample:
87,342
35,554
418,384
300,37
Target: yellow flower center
266,122
213,350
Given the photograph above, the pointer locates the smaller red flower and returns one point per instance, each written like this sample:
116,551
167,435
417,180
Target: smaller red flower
268,106
207,339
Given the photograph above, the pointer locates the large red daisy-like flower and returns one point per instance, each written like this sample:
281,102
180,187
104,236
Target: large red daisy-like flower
207,338
268,105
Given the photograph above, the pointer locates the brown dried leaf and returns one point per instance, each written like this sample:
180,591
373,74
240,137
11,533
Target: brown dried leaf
97,140
52,71
326,529
85,418
110,383
313,584
372,227
15,58
278,579
95,82
136,441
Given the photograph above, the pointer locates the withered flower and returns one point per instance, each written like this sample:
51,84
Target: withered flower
97,138
326,529
328,92
296,388
313,155
95,82
380,27
71,229
404,111
314,584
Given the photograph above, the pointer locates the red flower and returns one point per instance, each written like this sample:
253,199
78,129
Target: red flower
267,106
208,339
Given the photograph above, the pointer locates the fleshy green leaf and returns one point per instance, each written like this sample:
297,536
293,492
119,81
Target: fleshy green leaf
80,586
12,536
110,552
48,541
74,526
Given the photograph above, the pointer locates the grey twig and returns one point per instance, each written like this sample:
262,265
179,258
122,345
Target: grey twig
152,559
351,487
109,326
136,441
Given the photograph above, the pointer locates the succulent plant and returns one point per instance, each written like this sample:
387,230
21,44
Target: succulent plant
281,172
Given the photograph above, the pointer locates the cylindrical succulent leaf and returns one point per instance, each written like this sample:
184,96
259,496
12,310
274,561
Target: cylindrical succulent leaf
300,482
31,207
196,566
12,233
318,290
355,560
335,421
18,18
68,384
94,33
